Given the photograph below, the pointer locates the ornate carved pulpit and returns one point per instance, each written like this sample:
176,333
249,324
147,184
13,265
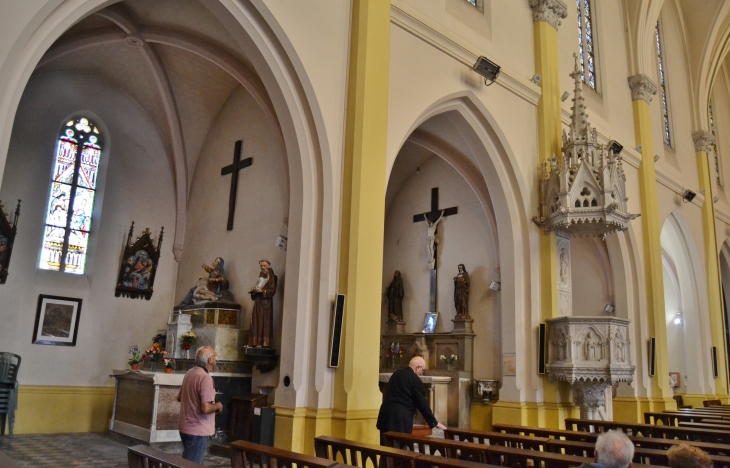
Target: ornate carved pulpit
590,353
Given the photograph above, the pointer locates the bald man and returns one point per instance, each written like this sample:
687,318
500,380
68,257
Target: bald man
404,396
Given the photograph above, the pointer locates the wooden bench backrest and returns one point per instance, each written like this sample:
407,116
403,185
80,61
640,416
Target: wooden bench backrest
673,418
645,430
430,461
247,454
496,438
361,454
666,444
548,433
691,434
708,403
519,458
142,456
442,447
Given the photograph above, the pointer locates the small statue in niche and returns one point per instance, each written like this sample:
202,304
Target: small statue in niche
394,293
591,348
462,284
210,289
262,315
563,266
620,347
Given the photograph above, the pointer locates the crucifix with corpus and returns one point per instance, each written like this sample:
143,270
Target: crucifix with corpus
233,169
433,218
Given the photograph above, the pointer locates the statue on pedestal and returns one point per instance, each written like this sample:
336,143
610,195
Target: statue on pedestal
394,293
462,284
214,288
262,294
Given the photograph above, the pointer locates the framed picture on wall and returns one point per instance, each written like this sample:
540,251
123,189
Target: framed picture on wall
674,379
57,320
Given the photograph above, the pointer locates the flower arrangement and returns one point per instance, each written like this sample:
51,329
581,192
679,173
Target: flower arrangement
394,351
187,340
169,363
449,360
136,355
154,353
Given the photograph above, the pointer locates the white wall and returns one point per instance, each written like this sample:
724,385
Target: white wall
138,187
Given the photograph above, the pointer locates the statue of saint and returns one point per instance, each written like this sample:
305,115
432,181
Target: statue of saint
432,238
591,348
262,316
394,293
211,289
462,283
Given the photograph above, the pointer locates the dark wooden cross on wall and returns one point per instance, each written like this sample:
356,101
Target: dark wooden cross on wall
434,216
233,169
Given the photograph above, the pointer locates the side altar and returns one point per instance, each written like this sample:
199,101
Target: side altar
146,406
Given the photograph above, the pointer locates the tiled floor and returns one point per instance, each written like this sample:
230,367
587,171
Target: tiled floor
75,450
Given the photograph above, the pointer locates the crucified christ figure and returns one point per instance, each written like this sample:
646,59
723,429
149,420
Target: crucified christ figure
432,239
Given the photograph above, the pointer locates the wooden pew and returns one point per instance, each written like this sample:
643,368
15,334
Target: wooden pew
705,425
142,456
645,430
673,418
247,454
548,433
496,438
467,451
359,454
709,403
692,434
430,461
666,444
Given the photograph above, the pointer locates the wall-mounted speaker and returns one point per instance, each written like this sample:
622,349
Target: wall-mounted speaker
714,362
652,357
541,352
339,315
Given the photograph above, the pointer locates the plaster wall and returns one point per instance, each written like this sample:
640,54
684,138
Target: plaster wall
136,185
464,238
675,333
261,206
590,277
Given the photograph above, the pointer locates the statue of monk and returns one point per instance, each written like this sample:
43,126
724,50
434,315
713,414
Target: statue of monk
262,316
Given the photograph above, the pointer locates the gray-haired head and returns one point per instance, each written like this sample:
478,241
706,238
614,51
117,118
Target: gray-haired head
614,450
202,355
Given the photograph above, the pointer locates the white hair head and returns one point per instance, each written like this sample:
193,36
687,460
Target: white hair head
614,449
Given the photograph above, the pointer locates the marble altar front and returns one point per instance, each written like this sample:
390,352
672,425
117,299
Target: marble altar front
437,395
146,406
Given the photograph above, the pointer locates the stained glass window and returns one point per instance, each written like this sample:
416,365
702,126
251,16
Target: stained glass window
714,145
585,42
71,199
473,2
663,86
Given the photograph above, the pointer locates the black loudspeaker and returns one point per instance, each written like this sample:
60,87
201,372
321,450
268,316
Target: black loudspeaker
652,357
263,426
541,352
714,362
339,315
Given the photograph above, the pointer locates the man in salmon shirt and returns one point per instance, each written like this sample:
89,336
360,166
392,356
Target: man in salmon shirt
198,406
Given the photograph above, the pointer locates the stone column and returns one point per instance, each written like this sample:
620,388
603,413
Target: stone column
642,90
704,141
590,397
357,399
546,16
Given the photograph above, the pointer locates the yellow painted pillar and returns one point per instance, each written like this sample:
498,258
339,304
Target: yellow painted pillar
703,146
642,90
546,16
357,397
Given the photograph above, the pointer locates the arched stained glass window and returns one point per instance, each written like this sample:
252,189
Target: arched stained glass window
71,201
585,41
714,145
663,86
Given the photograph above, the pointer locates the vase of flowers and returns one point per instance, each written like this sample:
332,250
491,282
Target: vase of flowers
169,365
394,354
136,357
449,361
187,341
154,354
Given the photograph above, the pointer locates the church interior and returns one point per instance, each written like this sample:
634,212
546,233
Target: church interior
543,219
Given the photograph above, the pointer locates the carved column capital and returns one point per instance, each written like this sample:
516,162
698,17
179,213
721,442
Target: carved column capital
641,88
703,141
550,11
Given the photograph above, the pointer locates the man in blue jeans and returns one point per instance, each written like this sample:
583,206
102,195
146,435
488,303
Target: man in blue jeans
198,406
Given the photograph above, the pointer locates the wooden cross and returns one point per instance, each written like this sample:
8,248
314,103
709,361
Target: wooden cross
233,169
433,216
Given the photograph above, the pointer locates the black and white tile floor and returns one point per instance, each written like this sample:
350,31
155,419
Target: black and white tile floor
75,450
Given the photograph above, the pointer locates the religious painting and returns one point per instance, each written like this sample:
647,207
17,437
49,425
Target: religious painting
57,320
7,237
509,364
429,322
139,265
674,379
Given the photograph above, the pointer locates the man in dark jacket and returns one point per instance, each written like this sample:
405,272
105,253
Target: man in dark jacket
404,396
